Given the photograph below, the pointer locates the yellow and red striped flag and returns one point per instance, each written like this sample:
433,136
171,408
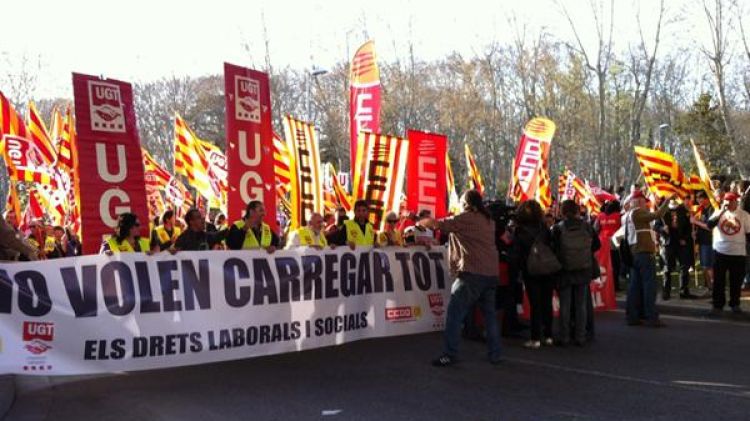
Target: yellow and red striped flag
40,136
11,122
544,192
306,178
454,205
281,163
475,178
380,172
704,175
190,160
661,173
65,144
343,198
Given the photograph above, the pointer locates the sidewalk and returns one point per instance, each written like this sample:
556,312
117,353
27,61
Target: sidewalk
699,307
7,393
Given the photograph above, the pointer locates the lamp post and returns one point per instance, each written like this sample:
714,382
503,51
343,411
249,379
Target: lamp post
313,75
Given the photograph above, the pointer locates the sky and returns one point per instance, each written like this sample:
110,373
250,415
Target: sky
141,40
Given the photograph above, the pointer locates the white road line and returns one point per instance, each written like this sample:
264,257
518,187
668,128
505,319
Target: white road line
595,373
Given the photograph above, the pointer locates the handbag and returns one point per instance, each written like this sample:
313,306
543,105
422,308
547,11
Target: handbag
542,260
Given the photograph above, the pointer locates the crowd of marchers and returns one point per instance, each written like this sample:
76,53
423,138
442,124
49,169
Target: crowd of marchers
496,252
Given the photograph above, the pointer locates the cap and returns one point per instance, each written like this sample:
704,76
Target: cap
731,196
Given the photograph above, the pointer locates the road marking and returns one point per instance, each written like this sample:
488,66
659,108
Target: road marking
685,385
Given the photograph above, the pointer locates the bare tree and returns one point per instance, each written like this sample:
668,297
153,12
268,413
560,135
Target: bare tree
598,63
719,56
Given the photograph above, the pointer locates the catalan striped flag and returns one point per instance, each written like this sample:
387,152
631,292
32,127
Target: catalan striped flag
34,208
475,178
704,175
11,122
281,163
544,192
157,179
65,144
343,198
40,136
56,127
661,173
306,178
190,160
380,172
454,205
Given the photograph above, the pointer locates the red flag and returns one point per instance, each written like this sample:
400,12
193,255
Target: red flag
249,142
109,174
426,187
364,95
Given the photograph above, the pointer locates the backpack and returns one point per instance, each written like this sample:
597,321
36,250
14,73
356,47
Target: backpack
542,261
575,246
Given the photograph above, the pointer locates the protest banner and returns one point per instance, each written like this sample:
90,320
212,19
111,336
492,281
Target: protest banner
130,311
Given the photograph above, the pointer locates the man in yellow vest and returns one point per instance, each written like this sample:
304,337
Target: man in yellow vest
357,232
251,233
127,238
311,235
164,236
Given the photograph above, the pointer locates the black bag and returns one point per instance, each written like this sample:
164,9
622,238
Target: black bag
575,246
542,261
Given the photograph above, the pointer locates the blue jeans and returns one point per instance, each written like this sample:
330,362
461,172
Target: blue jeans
467,290
642,289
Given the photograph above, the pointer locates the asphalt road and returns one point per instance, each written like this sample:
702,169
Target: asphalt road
692,369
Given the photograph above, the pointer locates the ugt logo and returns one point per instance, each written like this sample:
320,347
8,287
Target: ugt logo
107,113
36,335
246,99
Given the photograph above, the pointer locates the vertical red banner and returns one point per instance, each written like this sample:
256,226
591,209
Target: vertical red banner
249,142
109,172
426,175
364,96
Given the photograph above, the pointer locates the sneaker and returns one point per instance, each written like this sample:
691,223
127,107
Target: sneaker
579,344
443,361
496,361
532,344
634,322
736,310
654,323
548,342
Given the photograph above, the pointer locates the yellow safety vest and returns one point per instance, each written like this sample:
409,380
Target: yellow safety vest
49,244
307,237
355,235
250,241
163,235
125,246
396,239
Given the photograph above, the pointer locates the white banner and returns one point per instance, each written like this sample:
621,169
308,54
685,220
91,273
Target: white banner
97,314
